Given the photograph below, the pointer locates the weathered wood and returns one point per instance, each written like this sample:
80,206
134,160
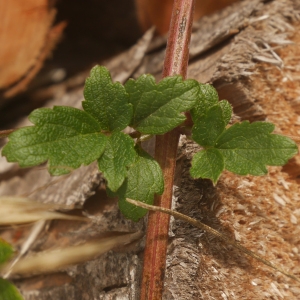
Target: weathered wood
246,51
26,38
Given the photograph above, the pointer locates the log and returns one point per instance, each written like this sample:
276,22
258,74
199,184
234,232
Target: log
27,38
250,53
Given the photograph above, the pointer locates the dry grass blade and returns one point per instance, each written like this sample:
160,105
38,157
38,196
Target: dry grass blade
207,228
17,210
52,260
35,231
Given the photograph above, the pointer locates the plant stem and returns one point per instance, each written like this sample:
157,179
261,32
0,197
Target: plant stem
214,232
176,62
6,133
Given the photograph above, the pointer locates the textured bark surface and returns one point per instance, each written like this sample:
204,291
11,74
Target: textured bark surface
250,52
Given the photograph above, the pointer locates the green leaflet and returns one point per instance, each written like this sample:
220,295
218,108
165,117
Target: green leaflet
6,251
67,137
107,102
249,148
119,153
157,108
226,109
206,98
144,179
208,128
207,164
8,291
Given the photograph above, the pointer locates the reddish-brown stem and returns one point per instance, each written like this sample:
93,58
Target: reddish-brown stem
176,61
6,133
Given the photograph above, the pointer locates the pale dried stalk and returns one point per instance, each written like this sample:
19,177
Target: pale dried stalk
216,233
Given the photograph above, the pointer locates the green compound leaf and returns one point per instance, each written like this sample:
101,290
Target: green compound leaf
207,164
157,108
208,128
107,102
206,98
119,153
249,148
243,148
6,251
8,291
144,179
67,137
